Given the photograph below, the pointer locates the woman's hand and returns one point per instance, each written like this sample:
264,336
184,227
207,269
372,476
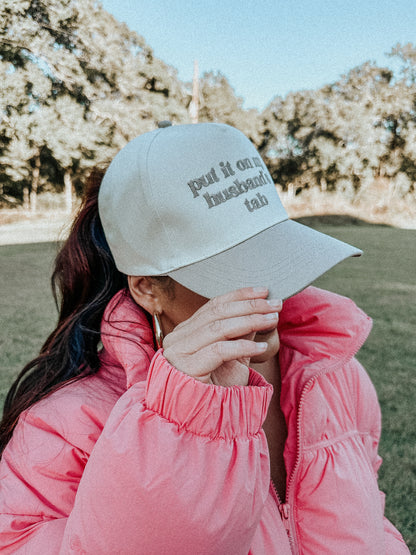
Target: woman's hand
216,343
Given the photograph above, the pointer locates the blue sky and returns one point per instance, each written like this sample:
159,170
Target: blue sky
268,48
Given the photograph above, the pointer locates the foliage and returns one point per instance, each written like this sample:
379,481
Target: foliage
220,104
344,135
76,85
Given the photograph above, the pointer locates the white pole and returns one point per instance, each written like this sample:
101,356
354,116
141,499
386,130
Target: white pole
194,105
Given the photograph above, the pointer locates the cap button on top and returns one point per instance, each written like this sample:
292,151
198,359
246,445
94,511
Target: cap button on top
164,123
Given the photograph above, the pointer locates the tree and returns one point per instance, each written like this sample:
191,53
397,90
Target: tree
22,145
101,85
404,125
219,103
342,136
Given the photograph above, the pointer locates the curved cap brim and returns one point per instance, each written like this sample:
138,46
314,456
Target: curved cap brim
286,258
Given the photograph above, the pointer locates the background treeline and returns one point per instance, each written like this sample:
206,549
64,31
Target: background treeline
76,85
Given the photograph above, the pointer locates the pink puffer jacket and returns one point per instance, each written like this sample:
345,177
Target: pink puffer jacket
143,459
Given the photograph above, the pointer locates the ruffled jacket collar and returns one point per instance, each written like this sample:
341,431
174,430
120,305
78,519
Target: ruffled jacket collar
318,330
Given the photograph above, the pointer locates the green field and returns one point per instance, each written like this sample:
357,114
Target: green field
382,282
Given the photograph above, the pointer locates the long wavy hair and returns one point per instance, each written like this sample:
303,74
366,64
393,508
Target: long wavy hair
84,280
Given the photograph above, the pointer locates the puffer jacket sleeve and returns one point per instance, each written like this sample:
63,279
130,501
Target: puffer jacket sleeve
39,474
180,467
370,417
395,544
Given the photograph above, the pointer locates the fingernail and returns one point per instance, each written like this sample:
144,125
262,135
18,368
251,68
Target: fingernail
275,303
273,316
261,346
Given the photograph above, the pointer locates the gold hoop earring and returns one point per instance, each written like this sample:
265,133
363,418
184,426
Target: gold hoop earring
157,326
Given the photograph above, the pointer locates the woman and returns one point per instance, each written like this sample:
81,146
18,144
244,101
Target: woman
204,415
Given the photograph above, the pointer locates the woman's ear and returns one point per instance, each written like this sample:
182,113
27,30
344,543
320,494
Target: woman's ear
145,294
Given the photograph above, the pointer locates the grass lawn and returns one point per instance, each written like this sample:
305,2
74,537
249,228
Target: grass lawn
382,282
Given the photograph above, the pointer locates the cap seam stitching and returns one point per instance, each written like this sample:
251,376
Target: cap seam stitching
146,197
160,220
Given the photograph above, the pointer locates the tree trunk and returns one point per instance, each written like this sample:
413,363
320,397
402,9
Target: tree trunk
68,191
33,200
26,204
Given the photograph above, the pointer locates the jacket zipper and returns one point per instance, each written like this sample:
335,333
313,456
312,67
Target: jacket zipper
285,507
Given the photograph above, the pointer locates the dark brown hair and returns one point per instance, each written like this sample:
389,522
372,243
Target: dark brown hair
85,278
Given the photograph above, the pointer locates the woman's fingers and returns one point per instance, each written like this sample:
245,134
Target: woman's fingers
238,303
226,329
214,318
241,294
222,332
220,307
208,359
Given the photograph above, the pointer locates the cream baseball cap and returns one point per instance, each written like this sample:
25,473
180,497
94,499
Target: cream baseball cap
196,202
